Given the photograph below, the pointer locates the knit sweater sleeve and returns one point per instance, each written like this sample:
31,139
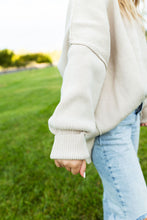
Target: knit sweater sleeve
87,58
74,115
143,117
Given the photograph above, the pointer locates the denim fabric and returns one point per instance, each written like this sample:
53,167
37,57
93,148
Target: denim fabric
114,154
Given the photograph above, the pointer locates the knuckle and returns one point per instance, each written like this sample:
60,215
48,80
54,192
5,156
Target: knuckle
75,165
65,164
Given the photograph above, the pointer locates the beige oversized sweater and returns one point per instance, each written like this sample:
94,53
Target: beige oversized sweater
104,69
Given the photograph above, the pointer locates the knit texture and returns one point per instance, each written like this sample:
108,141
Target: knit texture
103,65
73,144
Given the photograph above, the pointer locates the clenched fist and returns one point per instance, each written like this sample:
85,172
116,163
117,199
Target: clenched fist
74,166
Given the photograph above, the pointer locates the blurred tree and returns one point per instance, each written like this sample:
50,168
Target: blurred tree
9,59
6,56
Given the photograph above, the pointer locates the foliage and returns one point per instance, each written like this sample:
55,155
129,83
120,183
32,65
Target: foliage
9,59
23,60
6,57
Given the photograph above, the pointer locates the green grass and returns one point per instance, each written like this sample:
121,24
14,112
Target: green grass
31,186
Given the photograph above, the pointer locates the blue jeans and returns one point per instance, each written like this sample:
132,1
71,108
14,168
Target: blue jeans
114,154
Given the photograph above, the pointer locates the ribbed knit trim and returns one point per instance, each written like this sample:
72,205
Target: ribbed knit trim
69,146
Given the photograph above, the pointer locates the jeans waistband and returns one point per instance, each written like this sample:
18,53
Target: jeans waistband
139,108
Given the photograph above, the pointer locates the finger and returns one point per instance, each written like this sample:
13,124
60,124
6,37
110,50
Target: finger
57,163
75,171
61,163
83,168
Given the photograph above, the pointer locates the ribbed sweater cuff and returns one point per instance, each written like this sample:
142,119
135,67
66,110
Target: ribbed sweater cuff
69,146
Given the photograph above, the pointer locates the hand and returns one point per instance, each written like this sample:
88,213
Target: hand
143,124
74,166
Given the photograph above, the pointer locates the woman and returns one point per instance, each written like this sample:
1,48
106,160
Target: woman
104,101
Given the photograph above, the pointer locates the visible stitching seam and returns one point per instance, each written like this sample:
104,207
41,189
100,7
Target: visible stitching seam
115,184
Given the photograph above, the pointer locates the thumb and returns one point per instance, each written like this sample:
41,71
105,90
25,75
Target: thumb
83,168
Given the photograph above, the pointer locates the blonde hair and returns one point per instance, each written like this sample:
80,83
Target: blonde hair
129,8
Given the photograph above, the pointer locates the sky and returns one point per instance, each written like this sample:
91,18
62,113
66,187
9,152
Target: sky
33,25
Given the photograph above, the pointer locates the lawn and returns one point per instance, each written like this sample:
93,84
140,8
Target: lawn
31,186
